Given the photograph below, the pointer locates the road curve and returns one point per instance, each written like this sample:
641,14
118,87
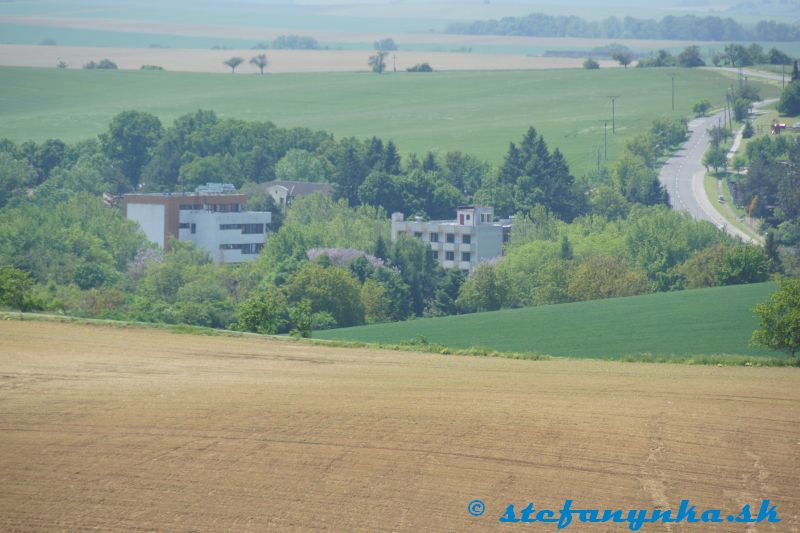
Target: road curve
683,175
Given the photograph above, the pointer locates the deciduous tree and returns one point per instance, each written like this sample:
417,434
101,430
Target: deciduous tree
259,61
377,62
690,57
624,58
130,138
233,62
780,318
701,108
15,289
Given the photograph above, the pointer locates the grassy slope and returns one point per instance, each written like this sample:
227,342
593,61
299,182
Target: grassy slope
476,112
687,323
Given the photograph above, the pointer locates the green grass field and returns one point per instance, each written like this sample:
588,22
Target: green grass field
688,323
476,112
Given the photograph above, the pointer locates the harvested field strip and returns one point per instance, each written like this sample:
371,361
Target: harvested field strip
148,430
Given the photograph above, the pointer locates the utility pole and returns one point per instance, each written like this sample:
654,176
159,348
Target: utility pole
605,140
783,76
673,89
730,107
613,115
727,111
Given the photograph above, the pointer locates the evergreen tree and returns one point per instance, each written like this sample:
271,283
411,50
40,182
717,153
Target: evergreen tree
429,164
376,156
391,160
566,248
771,249
380,249
512,166
351,170
537,176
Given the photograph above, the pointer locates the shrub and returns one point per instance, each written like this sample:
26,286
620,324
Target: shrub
102,64
591,64
420,67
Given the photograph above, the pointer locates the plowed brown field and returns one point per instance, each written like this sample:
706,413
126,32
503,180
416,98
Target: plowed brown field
133,429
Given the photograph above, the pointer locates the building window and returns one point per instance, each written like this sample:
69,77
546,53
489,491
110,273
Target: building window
449,256
252,228
465,256
467,217
245,249
418,234
191,207
450,237
246,228
252,248
186,225
466,239
434,237
434,255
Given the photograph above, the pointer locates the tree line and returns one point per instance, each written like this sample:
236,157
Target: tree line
137,153
685,27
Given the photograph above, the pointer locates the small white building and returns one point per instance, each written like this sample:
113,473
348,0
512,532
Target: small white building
283,192
473,238
212,217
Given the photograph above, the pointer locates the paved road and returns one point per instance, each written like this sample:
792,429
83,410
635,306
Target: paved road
757,73
684,173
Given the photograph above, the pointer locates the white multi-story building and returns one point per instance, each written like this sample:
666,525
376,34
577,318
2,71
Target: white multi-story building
212,217
464,243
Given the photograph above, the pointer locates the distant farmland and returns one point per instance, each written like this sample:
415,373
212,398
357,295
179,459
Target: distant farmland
475,112
686,323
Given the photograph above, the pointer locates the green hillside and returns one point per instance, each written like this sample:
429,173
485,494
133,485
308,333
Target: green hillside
687,323
475,112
